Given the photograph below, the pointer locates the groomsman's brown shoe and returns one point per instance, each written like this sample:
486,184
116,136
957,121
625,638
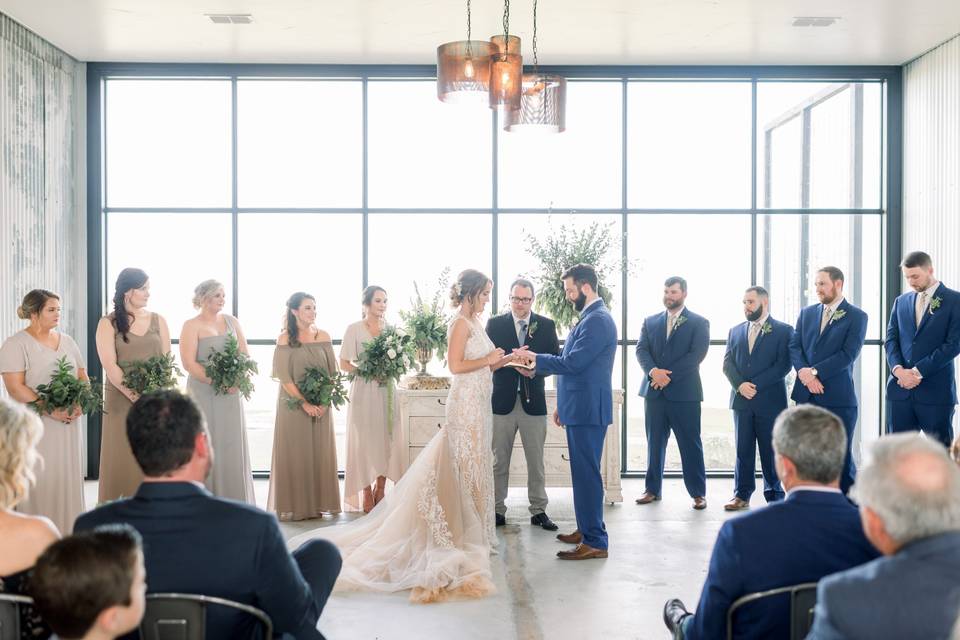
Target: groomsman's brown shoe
570,538
699,503
582,552
647,498
736,504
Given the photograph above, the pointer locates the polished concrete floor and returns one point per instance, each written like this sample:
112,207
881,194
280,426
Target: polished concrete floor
657,551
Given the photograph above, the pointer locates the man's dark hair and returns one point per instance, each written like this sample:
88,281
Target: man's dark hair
77,578
672,280
582,274
523,282
835,274
917,259
162,427
760,291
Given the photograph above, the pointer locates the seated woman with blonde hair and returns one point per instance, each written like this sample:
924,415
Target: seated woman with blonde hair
22,537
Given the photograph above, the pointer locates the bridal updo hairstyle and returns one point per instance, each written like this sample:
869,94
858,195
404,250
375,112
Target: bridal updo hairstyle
204,290
469,286
33,303
366,299
293,303
130,278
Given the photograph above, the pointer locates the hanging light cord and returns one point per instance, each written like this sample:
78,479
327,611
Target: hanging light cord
469,53
535,65
506,28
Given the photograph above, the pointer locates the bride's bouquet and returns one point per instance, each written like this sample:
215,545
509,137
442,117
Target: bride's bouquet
153,374
385,359
68,392
320,388
230,368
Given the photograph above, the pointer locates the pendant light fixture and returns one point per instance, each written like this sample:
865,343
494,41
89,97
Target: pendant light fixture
506,67
543,98
463,69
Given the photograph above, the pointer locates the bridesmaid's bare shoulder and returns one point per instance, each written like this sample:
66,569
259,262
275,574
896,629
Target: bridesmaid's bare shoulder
322,336
283,340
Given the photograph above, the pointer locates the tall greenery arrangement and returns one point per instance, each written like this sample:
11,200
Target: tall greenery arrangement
566,246
427,323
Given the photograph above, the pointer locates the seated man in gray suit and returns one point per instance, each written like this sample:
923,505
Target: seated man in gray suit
909,498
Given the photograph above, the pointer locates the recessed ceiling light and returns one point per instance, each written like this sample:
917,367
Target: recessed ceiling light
230,18
815,21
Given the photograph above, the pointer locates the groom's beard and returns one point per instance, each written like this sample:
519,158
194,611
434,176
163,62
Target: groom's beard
581,300
753,317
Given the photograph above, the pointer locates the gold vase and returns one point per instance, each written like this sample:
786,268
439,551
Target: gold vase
424,356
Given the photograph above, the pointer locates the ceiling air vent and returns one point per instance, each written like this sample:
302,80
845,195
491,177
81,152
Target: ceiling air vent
230,18
814,21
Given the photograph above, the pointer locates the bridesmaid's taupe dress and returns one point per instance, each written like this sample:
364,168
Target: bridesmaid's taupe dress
120,474
303,473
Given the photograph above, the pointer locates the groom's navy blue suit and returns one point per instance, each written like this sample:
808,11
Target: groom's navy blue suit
678,404
931,348
585,407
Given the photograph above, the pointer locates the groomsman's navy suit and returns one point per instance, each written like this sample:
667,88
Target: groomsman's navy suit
930,347
833,354
766,367
677,405
809,535
585,407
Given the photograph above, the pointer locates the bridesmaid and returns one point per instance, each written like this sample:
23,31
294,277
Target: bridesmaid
373,445
27,359
303,472
22,538
230,476
129,333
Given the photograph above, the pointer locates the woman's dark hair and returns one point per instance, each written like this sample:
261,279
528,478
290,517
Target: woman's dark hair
367,297
293,303
129,278
469,286
34,302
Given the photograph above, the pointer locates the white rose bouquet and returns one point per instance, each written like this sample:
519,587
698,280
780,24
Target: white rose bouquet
385,359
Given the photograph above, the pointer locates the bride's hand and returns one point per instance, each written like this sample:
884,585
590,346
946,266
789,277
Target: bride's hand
494,357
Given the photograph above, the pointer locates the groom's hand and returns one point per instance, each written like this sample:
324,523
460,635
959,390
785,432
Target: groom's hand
660,377
556,418
523,354
527,373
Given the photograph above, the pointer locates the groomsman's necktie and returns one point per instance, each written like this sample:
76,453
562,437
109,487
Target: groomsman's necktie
522,332
825,320
752,338
921,306
670,320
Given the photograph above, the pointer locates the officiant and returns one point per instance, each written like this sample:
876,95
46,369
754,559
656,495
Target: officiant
519,401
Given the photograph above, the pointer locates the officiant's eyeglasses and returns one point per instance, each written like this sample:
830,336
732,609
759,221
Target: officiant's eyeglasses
523,300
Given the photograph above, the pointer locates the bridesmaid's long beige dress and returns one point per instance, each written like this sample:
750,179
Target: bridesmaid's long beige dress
303,474
58,492
120,475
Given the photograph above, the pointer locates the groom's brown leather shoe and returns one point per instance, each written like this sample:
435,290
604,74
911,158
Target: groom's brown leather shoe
736,504
699,503
570,538
647,498
582,552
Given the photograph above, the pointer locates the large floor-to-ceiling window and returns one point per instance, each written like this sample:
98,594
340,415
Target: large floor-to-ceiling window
277,180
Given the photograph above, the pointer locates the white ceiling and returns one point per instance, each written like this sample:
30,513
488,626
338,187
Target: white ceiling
571,32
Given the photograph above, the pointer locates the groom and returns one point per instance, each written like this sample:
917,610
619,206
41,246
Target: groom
584,405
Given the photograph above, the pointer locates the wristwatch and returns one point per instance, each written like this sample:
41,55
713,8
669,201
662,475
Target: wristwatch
813,371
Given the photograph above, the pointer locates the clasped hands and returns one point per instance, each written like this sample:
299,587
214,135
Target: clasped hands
907,378
810,381
660,378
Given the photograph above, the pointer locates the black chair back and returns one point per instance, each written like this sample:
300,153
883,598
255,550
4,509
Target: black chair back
803,597
183,616
10,615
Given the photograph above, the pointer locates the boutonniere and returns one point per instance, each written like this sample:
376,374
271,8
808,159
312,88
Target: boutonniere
935,304
532,329
766,328
679,321
837,315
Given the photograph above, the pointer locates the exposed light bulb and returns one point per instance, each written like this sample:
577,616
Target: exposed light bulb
468,69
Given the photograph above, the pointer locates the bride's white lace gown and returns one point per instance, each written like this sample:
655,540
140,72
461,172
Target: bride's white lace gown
434,532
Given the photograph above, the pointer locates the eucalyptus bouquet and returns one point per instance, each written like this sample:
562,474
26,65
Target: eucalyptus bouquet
152,374
67,391
320,388
386,359
230,368
427,323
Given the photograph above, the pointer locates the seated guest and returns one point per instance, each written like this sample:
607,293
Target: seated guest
91,585
955,450
22,538
813,533
909,497
197,543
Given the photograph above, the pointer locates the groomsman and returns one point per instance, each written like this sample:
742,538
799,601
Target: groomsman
756,362
923,338
519,401
672,346
823,350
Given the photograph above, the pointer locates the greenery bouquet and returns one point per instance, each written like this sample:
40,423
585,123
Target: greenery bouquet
230,368
320,388
68,392
152,374
385,359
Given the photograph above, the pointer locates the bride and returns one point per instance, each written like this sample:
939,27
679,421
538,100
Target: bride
433,534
